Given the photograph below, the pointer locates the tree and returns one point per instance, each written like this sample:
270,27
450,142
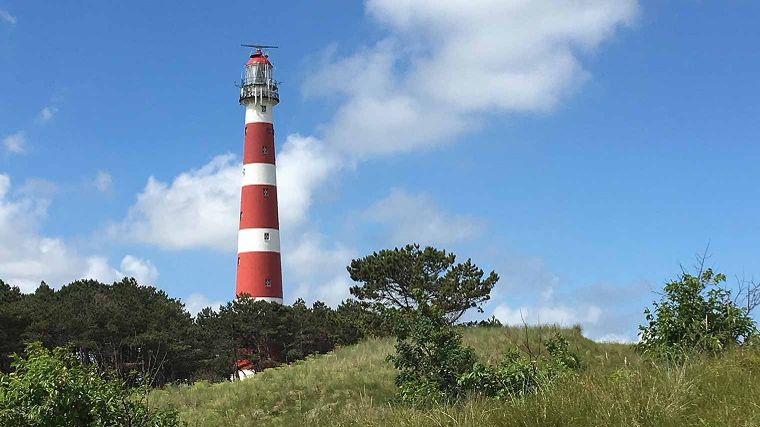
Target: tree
406,277
695,314
12,325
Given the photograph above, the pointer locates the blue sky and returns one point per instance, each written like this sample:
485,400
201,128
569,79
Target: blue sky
581,149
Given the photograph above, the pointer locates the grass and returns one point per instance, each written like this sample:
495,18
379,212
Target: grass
354,386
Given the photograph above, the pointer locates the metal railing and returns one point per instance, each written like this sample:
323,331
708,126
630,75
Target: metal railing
258,92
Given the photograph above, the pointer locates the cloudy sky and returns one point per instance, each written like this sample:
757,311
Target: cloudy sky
582,149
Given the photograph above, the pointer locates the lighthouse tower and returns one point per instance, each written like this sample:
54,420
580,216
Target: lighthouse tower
259,272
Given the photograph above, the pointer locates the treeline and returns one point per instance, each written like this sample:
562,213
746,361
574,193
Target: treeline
140,332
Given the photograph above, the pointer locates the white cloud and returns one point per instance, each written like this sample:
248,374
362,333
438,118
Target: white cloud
302,167
142,270
7,17
15,143
47,113
562,315
315,270
199,208
27,257
529,289
416,218
102,181
196,302
616,338
445,63
99,269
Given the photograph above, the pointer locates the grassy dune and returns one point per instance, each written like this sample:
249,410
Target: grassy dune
354,386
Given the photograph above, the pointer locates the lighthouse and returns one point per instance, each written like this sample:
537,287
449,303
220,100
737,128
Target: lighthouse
259,271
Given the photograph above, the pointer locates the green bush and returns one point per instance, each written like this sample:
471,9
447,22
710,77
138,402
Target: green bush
49,389
517,376
695,314
434,366
429,356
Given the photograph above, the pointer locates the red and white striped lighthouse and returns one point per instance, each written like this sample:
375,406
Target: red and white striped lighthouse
259,271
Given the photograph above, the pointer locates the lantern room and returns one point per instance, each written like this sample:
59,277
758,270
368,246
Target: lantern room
257,84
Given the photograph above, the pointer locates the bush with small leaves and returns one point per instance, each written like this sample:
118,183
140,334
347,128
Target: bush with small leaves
430,357
51,388
517,376
695,314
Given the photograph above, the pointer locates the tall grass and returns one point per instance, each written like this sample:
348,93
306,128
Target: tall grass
354,386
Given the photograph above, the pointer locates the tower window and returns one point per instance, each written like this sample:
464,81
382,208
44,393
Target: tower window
264,149
266,192
241,215
245,132
268,283
238,260
266,237
243,171
263,108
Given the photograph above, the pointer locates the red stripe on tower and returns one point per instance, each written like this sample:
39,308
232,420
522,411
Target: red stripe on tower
259,271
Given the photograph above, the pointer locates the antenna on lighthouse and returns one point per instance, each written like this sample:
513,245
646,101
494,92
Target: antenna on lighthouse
259,46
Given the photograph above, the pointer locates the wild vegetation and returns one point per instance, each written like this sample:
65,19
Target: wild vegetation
55,389
125,328
354,386
696,362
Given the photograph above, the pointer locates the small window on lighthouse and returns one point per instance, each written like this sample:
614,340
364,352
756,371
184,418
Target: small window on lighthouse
268,283
266,192
241,215
243,171
266,237
238,260
263,108
264,149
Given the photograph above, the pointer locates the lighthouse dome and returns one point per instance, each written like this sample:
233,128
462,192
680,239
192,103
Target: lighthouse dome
258,70
258,57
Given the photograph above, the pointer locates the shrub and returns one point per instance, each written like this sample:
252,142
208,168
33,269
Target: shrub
430,357
53,389
517,376
695,314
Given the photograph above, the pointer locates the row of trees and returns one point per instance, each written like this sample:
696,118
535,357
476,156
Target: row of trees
125,327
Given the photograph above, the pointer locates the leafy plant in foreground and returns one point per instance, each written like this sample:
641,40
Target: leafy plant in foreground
50,389
517,375
695,314
430,357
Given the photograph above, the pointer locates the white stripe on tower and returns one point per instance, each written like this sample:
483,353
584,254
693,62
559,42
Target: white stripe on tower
259,174
259,240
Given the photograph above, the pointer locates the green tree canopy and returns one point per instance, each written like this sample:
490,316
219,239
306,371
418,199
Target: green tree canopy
403,278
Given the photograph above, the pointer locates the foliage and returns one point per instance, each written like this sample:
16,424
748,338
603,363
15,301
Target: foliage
11,324
140,333
405,277
435,367
695,314
518,376
54,389
429,356
352,386
268,334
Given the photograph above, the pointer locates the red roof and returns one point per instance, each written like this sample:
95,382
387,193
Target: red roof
258,58
243,364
